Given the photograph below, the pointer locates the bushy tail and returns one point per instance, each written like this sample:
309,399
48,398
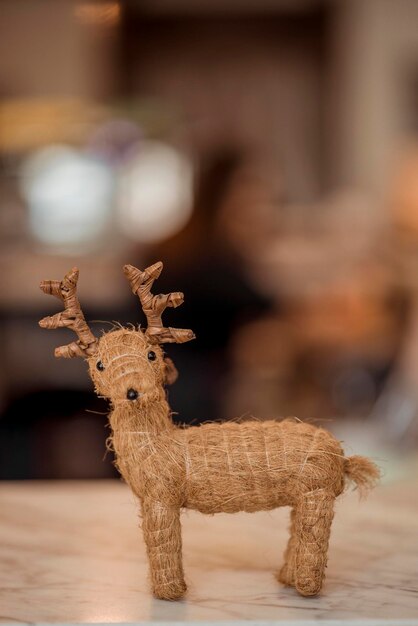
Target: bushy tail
363,472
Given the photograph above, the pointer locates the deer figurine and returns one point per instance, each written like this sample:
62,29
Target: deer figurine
247,466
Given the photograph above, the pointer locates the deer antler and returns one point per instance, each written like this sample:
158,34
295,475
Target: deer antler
154,306
72,317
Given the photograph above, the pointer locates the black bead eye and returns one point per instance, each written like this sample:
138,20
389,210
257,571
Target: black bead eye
132,394
151,355
100,366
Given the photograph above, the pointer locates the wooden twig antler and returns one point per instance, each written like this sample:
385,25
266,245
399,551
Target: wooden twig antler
154,306
72,317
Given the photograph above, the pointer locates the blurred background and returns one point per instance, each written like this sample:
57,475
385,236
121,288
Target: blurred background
267,152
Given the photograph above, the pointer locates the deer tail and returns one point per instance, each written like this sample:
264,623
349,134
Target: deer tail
363,472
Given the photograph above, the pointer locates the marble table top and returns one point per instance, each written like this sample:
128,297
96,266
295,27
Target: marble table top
73,552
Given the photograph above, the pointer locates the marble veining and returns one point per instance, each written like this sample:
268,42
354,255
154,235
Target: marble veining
73,552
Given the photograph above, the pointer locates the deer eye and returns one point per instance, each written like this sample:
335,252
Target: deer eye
151,355
100,366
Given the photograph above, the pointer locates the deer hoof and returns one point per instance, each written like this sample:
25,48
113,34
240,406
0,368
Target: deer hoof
286,576
173,590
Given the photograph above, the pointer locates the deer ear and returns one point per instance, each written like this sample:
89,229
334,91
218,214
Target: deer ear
171,372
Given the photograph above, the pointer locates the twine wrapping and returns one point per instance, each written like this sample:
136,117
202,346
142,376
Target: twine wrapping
72,317
211,468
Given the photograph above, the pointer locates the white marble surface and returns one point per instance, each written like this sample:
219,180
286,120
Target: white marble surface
72,552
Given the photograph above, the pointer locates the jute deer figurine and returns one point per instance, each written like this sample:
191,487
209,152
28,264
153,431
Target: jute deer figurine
212,468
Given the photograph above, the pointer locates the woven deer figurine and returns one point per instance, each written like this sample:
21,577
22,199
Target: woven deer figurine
212,468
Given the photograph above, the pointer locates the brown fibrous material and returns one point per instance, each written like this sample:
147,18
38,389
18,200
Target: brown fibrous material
212,468
72,317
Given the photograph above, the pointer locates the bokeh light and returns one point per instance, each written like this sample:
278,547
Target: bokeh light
69,196
155,193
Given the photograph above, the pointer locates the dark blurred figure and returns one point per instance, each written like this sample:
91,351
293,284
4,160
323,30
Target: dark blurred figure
219,297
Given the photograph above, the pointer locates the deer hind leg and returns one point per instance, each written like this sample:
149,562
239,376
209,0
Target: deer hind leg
162,535
313,518
287,573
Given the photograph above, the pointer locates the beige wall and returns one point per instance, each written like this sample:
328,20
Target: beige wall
46,50
375,46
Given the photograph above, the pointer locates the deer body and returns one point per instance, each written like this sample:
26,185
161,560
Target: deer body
226,468
234,467
212,468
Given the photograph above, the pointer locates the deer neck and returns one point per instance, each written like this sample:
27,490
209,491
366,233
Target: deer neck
135,430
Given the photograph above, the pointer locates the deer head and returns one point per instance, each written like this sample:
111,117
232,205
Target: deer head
126,365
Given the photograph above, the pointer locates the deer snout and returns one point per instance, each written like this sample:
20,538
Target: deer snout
132,394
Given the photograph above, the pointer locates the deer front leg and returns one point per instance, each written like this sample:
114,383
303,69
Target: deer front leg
313,518
162,535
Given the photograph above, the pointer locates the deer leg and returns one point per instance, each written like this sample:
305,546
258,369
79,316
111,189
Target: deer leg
313,518
287,573
162,535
